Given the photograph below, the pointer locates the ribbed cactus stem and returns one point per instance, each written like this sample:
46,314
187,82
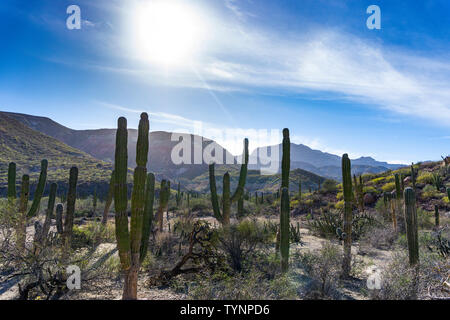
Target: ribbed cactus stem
286,159
21,224
448,194
138,194
49,213
120,194
436,215
348,197
148,213
411,225
109,199
242,175
59,218
39,190
226,200
240,207
70,210
12,181
284,229
214,197
163,198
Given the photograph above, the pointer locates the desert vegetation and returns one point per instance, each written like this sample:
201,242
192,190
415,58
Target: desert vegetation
373,236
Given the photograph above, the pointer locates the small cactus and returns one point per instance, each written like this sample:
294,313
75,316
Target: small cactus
436,215
59,218
411,225
21,224
109,200
70,210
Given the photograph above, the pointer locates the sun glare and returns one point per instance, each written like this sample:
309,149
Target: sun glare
167,32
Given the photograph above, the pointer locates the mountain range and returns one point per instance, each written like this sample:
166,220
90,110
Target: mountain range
97,148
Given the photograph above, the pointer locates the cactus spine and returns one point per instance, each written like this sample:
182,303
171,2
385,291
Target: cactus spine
436,215
129,243
12,181
227,199
70,211
411,225
39,190
21,224
348,197
284,229
109,200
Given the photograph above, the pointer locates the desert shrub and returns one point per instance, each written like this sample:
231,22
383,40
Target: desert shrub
377,180
429,192
329,186
425,178
388,187
379,237
91,234
425,219
199,204
340,195
324,268
243,286
339,205
370,189
239,241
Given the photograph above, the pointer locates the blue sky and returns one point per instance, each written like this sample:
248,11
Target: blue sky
312,66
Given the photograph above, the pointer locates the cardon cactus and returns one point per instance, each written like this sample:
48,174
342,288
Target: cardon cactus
227,199
109,200
411,226
70,210
240,207
148,213
39,190
436,215
348,197
12,181
284,229
130,243
286,159
163,203
448,194
21,223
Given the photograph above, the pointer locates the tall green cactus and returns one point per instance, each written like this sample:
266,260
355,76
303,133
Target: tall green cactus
178,196
411,225
39,190
240,209
348,197
436,215
163,203
286,159
130,243
448,194
227,199
359,192
109,199
21,224
148,213
12,181
284,229
70,210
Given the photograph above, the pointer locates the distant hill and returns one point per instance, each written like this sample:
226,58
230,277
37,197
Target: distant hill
100,144
27,147
322,163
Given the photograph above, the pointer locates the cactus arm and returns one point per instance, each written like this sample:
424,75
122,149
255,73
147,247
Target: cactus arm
109,199
242,174
59,218
22,217
71,199
226,201
214,198
411,225
12,181
284,229
148,214
138,193
39,190
120,194
348,197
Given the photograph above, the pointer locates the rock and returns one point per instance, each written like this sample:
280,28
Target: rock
407,180
369,199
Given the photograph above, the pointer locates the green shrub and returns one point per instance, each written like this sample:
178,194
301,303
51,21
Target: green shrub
429,192
425,178
388,187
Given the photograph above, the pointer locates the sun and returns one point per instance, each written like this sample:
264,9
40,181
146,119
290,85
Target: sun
167,32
